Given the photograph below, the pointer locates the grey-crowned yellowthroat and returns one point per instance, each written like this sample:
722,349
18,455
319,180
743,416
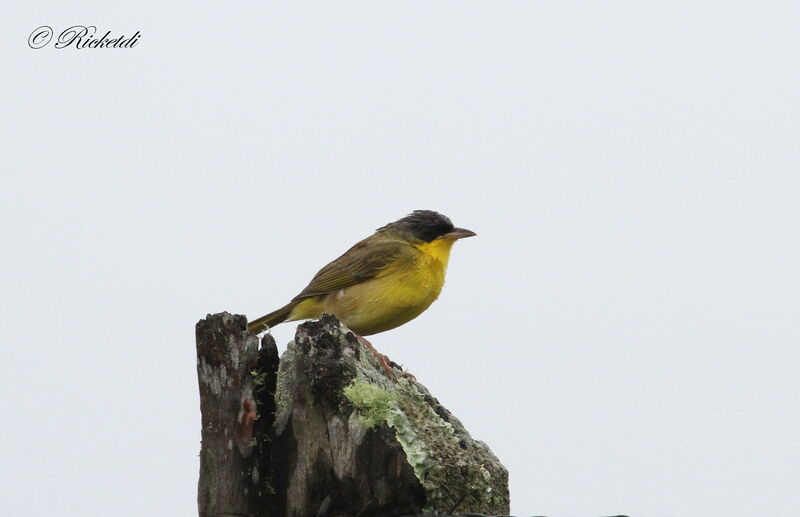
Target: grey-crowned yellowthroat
383,281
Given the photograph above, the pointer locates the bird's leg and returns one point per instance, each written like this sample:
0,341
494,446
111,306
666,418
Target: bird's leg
385,361
382,358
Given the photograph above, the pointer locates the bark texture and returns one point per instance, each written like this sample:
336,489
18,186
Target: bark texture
226,357
331,434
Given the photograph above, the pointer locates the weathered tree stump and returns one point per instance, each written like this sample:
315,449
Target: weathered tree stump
330,434
226,354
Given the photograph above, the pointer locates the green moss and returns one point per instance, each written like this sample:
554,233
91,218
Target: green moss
430,444
375,404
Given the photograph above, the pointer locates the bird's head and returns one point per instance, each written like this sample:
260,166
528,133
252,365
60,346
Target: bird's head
427,226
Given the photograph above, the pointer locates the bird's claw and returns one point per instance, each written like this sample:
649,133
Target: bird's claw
381,358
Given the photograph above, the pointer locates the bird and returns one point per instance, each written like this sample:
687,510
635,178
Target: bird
382,282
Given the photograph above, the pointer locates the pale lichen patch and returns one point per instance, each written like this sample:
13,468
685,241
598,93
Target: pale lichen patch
373,402
216,378
429,442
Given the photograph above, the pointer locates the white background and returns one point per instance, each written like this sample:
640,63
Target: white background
622,332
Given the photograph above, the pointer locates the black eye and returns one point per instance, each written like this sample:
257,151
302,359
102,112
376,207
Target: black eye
432,226
428,234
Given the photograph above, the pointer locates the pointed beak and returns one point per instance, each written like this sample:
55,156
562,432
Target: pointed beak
459,233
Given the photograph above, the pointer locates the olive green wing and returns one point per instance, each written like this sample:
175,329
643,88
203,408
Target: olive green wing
361,262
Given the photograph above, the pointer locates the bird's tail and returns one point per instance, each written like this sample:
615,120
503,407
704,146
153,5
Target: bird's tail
271,319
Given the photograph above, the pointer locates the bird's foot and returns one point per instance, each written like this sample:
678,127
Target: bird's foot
382,358
409,376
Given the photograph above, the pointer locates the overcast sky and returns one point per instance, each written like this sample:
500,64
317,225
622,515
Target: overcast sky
623,332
